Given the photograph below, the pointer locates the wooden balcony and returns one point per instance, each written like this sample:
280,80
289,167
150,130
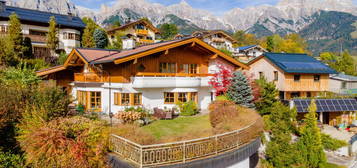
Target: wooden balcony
218,40
146,41
155,74
90,77
141,32
37,38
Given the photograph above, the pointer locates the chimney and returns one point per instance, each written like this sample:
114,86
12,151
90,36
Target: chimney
70,15
128,43
2,5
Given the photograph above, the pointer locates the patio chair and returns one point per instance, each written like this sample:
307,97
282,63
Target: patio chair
159,113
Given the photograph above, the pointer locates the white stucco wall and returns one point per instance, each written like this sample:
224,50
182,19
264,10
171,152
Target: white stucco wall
263,65
151,97
67,45
336,86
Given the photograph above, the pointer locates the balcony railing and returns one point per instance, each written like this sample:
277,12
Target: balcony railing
37,38
90,77
184,151
154,74
142,32
218,40
146,41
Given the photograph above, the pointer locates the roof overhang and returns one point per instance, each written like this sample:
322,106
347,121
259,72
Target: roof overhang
196,41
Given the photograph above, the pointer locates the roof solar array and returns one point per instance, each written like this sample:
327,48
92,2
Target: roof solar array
298,63
42,17
326,105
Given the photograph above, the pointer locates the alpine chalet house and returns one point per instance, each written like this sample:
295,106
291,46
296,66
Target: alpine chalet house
247,53
35,25
216,38
141,31
295,75
154,75
343,84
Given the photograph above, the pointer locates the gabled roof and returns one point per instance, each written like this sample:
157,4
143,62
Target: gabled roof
43,17
207,33
250,47
142,21
296,63
344,77
101,56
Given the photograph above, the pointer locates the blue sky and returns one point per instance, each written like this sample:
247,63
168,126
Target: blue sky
216,6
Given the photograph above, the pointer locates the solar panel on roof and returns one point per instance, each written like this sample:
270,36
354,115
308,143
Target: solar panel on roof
328,105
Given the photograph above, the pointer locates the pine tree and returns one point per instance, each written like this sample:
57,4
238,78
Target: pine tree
280,151
27,44
168,31
100,38
268,96
15,35
240,91
270,44
87,37
310,145
52,36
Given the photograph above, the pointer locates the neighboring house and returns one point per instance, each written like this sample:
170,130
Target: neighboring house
141,31
35,25
216,38
155,75
295,75
331,111
247,53
343,84
181,36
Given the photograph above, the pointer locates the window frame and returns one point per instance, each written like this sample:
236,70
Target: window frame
97,96
276,76
140,99
317,78
123,98
297,78
173,96
167,67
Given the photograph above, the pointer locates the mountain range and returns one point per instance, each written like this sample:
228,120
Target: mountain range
328,25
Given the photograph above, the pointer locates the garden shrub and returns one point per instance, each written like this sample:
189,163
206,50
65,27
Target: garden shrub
129,117
187,108
10,160
332,144
75,142
134,133
221,110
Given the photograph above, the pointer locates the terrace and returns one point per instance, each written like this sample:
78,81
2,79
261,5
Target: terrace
187,142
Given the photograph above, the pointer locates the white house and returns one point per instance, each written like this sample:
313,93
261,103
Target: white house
216,38
34,25
343,84
156,75
247,53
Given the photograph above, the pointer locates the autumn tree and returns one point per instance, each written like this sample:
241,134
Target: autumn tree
244,39
52,36
221,80
15,35
168,31
309,144
87,37
291,43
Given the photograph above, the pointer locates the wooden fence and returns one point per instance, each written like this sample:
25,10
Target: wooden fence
184,151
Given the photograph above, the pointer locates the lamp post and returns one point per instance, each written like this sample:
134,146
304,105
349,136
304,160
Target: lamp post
111,118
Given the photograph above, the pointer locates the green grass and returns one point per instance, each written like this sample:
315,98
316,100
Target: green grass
331,165
178,127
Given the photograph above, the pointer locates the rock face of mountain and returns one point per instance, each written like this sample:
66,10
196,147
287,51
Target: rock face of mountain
306,17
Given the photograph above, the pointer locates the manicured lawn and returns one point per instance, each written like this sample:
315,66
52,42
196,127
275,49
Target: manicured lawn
180,126
330,165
